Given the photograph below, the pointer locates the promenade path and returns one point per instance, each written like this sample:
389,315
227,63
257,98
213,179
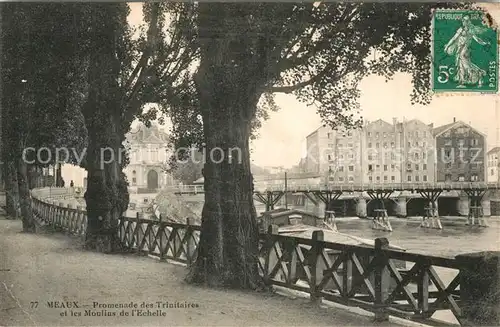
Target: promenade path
52,267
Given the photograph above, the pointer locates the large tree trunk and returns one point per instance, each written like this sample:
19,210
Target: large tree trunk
11,190
229,90
25,196
107,195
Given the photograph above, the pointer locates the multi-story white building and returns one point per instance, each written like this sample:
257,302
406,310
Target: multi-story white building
149,155
380,152
493,165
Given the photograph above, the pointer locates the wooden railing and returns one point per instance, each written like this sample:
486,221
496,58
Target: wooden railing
367,277
357,276
48,207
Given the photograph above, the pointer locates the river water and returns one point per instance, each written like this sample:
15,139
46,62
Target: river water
448,242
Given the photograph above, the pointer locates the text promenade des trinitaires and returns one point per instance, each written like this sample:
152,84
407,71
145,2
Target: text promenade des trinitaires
464,52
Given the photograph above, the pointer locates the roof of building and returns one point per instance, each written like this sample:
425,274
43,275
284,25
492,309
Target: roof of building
495,149
148,135
441,129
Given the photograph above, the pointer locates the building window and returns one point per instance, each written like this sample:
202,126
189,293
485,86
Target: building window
447,178
408,167
416,134
393,167
341,156
133,172
474,142
370,157
369,145
393,145
416,166
417,178
385,178
461,143
416,143
339,145
424,178
351,179
134,180
341,168
370,167
329,157
424,167
385,134
377,135
385,145
378,178
461,178
409,144
474,178
409,178
351,168
448,143
370,178
448,165
377,167
331,146
385,167
393,178
492,172
350,145
415,155
424,155
341,179
369,134
377,145
329,135
424,144
393,156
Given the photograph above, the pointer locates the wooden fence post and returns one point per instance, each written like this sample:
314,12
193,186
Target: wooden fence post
137,225
270,255
190,246
316,271
381,279
161,229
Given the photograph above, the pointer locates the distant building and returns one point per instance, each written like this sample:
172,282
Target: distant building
416,141
320,145
380,162
461,153
344,164
493,165
148,158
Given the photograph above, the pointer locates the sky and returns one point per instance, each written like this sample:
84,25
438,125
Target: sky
281,139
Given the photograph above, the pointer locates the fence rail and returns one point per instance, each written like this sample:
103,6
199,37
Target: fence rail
305,187
377,279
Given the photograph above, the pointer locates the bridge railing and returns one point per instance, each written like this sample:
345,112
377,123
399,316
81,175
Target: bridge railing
291,187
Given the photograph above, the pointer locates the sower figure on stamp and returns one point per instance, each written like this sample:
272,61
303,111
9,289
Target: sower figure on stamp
467,73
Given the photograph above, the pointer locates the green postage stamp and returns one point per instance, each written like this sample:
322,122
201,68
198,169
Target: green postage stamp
464,52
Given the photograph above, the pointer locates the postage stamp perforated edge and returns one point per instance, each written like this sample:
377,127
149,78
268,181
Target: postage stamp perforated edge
492,24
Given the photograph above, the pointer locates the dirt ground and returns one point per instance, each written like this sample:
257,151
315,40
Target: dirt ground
38,270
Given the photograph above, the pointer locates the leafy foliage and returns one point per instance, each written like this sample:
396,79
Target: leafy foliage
319,53
41,79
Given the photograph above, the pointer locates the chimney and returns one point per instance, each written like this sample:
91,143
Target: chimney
394,121
454,120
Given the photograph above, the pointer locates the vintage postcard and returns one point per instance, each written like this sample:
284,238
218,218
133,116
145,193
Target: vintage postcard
249,163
